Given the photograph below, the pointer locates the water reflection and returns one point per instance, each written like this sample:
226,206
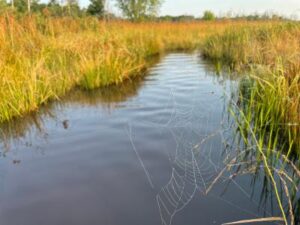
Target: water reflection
13,132
107,97
286,175
159,149
33,124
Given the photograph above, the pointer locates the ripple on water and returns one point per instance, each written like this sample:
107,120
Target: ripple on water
143,153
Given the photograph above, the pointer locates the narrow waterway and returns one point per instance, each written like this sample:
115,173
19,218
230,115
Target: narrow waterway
150,151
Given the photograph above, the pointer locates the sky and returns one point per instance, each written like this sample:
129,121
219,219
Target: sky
196,7
220,7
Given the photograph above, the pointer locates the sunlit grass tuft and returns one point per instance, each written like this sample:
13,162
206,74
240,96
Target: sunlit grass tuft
270,53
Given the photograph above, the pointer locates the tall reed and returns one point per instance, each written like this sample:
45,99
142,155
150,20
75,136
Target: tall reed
270,53
43,58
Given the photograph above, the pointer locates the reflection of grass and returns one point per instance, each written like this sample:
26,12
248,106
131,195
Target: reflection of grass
19,128
107,97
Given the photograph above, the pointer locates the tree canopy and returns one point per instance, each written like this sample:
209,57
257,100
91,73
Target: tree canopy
96,8
138,10
3,4
209,16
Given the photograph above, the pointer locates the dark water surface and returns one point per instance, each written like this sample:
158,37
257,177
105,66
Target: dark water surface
143,153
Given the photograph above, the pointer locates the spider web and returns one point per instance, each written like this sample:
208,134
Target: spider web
194,164
201,137
199,159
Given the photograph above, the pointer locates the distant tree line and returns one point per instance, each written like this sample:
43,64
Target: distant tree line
134,10
210,16
54,7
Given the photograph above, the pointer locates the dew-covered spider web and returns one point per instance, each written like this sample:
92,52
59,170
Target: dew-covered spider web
202,131
183,137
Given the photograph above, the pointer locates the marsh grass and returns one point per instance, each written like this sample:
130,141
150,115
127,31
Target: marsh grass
44,58
266,109
258,154
270,54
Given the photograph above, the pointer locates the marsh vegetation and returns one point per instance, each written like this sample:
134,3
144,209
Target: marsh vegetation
42,59
59,56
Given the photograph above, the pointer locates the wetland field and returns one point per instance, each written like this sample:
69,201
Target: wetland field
118,122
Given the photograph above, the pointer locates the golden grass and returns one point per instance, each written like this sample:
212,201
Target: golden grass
43,58
271,52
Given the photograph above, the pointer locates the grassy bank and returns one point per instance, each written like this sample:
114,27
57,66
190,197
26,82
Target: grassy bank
267,107
43,58
270,53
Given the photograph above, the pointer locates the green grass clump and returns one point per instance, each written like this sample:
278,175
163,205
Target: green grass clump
270,55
